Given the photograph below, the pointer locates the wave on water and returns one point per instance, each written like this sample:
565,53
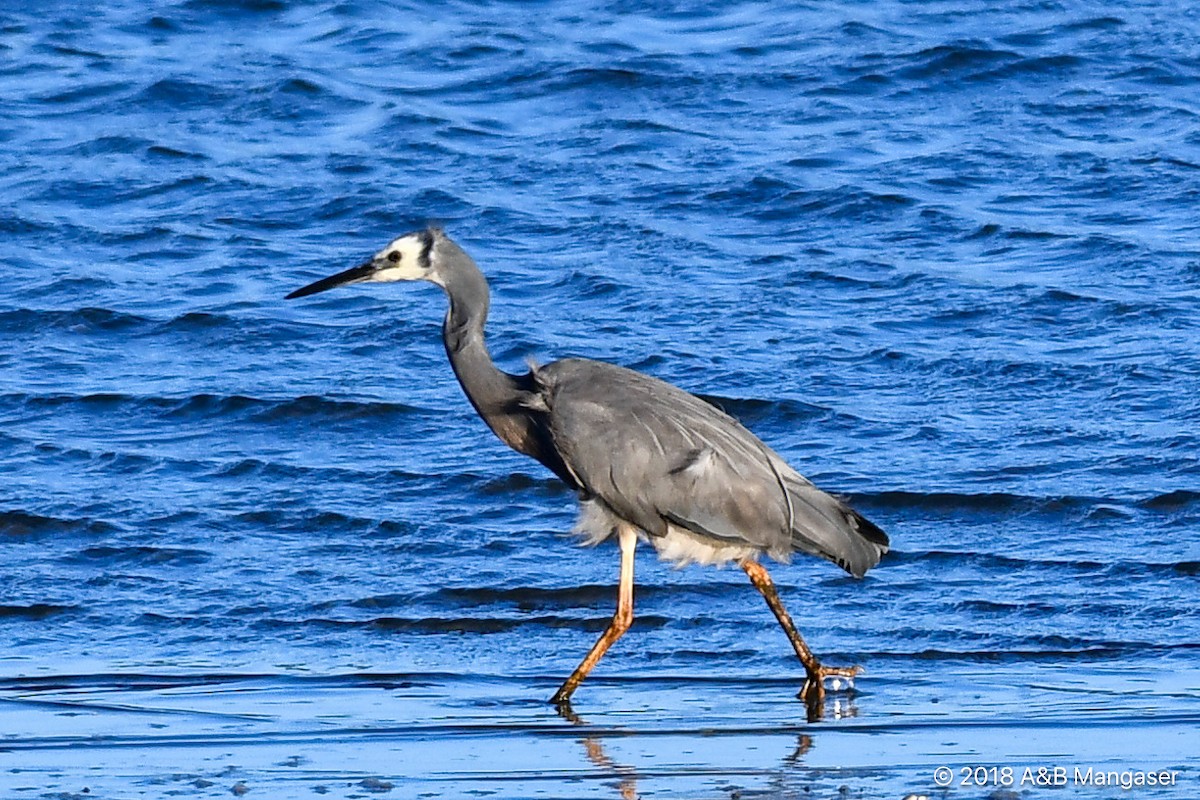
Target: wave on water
25,321
1008,504
16,523
35,611
109,321
208,406
146,555
1043,650
480,624
1002,564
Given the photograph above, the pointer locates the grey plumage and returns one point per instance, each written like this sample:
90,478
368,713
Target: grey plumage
658,456
648,459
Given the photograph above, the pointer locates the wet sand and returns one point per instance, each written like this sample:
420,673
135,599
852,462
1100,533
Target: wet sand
284,735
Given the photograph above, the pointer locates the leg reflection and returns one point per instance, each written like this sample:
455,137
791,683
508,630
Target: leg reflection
804,743
593,747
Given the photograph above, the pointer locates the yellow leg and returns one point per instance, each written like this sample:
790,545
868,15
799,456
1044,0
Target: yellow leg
814,684
627,538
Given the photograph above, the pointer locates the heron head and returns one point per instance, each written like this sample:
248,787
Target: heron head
405,259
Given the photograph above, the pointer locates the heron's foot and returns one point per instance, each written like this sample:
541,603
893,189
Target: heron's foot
834,679
563,706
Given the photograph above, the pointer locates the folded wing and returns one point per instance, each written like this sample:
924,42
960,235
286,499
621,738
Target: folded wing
657,455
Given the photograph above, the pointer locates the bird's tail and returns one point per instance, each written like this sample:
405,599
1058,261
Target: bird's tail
825,526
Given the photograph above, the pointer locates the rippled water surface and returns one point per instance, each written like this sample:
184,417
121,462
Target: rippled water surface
942,256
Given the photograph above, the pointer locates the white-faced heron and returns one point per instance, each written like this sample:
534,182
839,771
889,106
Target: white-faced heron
648,460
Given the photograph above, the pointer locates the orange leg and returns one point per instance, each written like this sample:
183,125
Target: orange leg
621,620
814,684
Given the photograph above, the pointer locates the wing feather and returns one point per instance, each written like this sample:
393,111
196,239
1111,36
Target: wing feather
657,455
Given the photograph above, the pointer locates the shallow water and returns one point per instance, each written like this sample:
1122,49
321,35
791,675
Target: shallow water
943,257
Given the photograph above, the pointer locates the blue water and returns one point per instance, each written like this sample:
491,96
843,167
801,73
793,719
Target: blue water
944,257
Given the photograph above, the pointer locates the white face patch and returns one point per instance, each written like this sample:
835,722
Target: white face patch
400,261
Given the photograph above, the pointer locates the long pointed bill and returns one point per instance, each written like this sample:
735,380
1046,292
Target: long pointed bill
353,275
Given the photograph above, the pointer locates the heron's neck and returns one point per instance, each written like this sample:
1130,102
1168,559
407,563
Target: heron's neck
494,393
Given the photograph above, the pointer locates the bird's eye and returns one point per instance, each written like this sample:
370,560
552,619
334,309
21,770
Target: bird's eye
393,256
